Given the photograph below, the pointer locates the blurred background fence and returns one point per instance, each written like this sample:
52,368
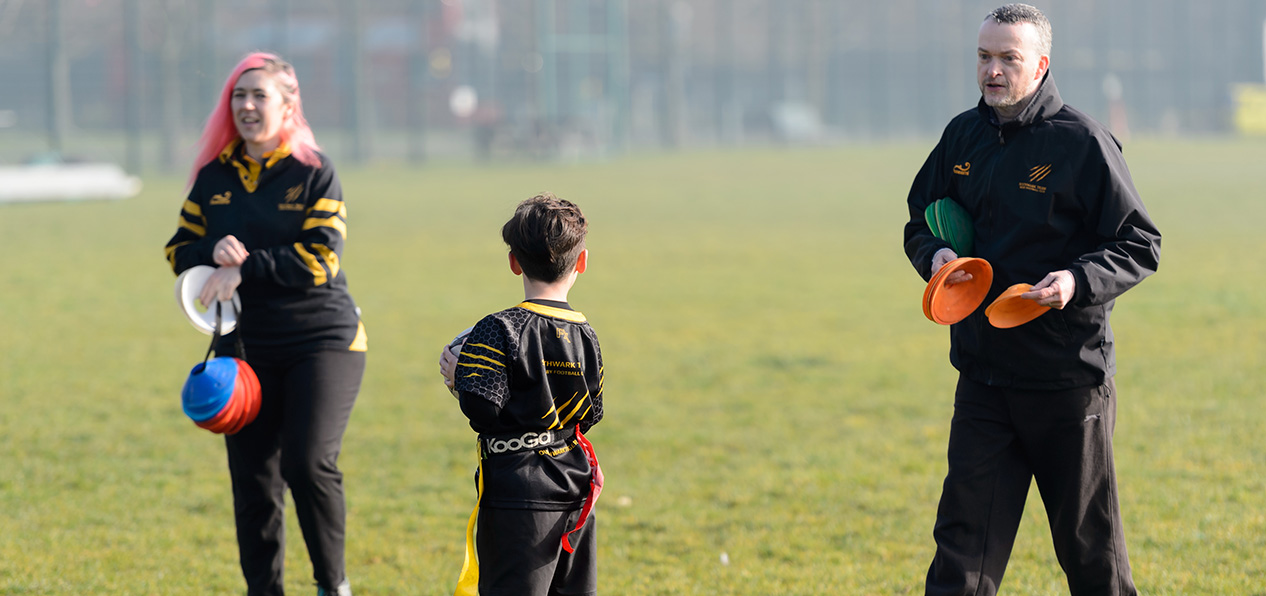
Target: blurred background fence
131,81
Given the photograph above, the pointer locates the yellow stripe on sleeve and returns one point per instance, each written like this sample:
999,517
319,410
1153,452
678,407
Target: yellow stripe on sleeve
314,264
192,227
465,353
329,256
476,366
192,208
327,222
329,205
171,252
486,347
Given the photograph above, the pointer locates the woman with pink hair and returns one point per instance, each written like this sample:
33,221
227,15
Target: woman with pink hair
266,209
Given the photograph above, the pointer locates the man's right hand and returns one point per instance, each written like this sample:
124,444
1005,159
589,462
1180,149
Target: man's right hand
941,259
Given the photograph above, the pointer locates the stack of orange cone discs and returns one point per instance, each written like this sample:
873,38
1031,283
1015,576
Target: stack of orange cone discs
947,304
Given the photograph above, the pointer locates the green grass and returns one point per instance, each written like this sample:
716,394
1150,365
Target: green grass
773,390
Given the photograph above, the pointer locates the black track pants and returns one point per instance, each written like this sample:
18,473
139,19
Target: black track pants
295,442
1000,440
521,553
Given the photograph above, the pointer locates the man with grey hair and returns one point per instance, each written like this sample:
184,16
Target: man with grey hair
1052,204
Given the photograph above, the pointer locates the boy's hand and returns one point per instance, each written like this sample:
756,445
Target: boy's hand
448,359
448,362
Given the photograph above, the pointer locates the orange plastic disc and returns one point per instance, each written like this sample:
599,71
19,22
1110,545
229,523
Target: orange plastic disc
246,390
252,391
1010,310
927,292
225,419
949,304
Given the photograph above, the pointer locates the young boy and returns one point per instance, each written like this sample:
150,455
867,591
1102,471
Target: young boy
529,378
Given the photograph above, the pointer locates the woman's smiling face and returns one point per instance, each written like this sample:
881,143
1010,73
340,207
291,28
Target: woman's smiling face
259,111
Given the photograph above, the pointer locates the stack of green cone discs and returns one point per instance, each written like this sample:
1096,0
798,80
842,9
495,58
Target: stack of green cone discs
951,223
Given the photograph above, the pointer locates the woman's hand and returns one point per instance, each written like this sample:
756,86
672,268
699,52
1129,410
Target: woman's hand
221,285
229,252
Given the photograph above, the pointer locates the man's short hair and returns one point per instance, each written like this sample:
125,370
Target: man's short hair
1011,14
546,235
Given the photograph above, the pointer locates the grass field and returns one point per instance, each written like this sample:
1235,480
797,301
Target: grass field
773,390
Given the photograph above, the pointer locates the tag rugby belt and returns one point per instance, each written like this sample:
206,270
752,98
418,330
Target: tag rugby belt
492,445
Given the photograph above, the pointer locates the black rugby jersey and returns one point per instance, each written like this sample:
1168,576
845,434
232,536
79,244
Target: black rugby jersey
533,368
291,218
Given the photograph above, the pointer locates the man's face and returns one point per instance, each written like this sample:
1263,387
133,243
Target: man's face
1009,66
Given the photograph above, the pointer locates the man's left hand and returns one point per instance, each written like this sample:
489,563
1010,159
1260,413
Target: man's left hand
1055,290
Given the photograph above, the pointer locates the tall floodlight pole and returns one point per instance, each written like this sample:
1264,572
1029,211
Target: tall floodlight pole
58,79
281,27
134,94
355,80
415,94
169,61
723,68
547,86
617,86
208,72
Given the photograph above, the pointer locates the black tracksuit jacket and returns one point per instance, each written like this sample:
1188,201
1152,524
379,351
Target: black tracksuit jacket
1047,191
292,219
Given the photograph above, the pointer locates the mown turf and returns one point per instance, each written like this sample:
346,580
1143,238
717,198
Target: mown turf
773,390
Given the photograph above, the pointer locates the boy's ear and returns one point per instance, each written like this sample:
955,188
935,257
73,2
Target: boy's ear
582,261
514,265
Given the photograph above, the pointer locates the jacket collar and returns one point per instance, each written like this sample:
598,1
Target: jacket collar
271,158
1046,102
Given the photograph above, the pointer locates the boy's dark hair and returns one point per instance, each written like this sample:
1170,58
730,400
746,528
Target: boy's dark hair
546,235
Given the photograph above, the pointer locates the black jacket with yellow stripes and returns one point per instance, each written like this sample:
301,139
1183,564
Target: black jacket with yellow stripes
1047,191
291,218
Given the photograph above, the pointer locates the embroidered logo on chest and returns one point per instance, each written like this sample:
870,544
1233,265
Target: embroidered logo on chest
293,194
1036,174
221,199
963,170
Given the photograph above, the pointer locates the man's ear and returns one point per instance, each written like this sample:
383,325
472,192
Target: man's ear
1043,64
582,261
514,265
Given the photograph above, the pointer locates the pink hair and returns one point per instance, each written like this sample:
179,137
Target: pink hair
220,130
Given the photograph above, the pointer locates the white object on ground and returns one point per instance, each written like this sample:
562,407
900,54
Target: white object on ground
66,182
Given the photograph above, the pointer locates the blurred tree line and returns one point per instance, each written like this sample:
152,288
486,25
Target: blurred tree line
132,80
